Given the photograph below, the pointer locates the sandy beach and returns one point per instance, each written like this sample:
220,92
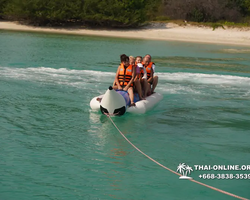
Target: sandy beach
155,31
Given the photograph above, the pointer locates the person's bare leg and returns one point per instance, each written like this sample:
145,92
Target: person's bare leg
145,87
115,87
131,96
138,88
155,82
149,89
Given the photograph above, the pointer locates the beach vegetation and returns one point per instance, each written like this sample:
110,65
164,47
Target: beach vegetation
111,13
2,6
231,13
126,13
162,18
217,25
198,15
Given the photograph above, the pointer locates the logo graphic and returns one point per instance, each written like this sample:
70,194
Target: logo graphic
184,170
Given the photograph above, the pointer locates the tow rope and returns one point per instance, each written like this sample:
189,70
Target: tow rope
203,184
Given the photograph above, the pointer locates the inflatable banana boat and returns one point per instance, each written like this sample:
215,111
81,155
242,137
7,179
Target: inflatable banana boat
117,102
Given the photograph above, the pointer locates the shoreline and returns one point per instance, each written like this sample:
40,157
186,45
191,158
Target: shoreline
155,31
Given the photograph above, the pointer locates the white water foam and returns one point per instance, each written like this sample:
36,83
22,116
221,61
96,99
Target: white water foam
76,78
180,82
208,79
177,89
204,84
236,50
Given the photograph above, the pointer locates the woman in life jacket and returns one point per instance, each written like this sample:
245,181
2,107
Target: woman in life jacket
137,85
124,77
141,77
148,66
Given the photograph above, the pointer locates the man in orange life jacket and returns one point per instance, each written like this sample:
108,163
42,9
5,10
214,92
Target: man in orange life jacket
124,77
154,80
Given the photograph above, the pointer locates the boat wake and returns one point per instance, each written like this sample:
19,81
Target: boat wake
179,82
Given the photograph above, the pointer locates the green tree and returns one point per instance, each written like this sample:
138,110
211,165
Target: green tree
44,11
242,5
101,12
2,6
246,7
115,12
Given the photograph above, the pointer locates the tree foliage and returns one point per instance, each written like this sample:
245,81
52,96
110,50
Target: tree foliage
2,6
99,12
122,13
207,10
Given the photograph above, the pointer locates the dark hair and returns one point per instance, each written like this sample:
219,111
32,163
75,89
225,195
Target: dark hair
124,58
138,57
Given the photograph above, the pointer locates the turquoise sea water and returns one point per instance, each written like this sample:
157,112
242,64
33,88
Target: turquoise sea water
52,146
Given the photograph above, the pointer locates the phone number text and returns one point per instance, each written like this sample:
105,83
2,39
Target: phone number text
224,176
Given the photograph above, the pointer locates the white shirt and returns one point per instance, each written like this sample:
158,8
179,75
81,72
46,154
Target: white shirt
153,67
144,69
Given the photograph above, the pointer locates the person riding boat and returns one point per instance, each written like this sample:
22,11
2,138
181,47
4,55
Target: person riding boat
125,77
141,76
150,67
137,84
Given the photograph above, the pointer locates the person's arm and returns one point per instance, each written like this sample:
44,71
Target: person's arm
116,79
145,73
153,67
137,72
136,77
150,80
131,81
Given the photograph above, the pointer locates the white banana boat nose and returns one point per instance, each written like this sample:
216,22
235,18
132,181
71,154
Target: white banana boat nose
113,103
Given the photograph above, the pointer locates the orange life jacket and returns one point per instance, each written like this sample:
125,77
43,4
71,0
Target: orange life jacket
149,69
125,75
